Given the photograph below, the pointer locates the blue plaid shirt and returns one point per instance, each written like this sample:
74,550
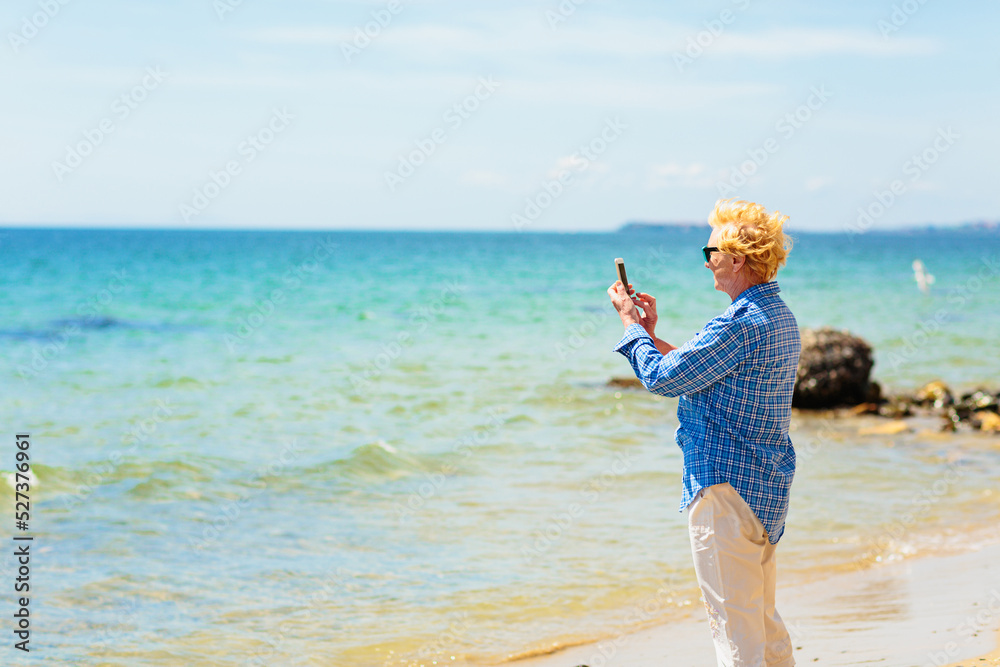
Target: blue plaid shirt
735,381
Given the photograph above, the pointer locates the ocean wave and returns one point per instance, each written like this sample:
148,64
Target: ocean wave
202,478
370,462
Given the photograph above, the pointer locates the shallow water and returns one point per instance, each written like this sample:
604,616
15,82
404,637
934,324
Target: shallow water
409,453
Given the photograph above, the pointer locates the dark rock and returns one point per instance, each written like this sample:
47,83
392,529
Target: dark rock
628,383
954,418
833,370
960,412
874,393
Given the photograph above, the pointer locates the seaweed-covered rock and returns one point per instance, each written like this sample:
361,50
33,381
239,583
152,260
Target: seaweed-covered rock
934,393
979,400
833,370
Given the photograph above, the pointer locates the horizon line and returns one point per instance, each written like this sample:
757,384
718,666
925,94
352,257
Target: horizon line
626,227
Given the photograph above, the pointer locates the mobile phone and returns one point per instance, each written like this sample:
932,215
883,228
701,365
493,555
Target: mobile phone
620,263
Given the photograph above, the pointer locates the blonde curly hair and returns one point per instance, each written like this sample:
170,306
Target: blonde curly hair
748,230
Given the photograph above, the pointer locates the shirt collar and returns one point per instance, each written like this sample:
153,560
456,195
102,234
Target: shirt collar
754,292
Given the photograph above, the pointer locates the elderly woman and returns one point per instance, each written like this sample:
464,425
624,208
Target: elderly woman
735,381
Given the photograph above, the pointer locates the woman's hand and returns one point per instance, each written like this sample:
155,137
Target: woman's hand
624,303
649,316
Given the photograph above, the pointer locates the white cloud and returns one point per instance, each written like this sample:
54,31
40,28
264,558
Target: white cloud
300,35
675,175
817,183
797,42
626,38
597,91
581,173
567,163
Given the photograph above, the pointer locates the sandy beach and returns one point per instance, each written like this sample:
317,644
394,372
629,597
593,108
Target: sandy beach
921,612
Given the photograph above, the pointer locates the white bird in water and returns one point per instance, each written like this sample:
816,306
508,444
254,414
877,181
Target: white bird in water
924,279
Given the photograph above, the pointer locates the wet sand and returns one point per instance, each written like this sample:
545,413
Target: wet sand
920,612
991,660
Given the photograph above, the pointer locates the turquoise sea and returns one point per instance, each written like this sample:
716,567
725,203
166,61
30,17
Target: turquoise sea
349,448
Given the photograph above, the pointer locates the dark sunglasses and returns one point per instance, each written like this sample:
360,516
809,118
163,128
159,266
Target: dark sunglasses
708,252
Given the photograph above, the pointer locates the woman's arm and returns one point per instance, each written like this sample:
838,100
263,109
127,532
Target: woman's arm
663,346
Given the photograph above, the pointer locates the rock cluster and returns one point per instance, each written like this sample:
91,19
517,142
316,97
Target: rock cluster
979,409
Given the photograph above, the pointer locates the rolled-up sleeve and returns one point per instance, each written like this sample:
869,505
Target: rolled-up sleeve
701,362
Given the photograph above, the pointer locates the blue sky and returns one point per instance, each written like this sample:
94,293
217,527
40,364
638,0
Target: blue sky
570,116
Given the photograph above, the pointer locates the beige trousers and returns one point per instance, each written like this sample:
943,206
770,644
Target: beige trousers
735,566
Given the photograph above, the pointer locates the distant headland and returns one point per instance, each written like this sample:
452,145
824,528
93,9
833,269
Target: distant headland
974,226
